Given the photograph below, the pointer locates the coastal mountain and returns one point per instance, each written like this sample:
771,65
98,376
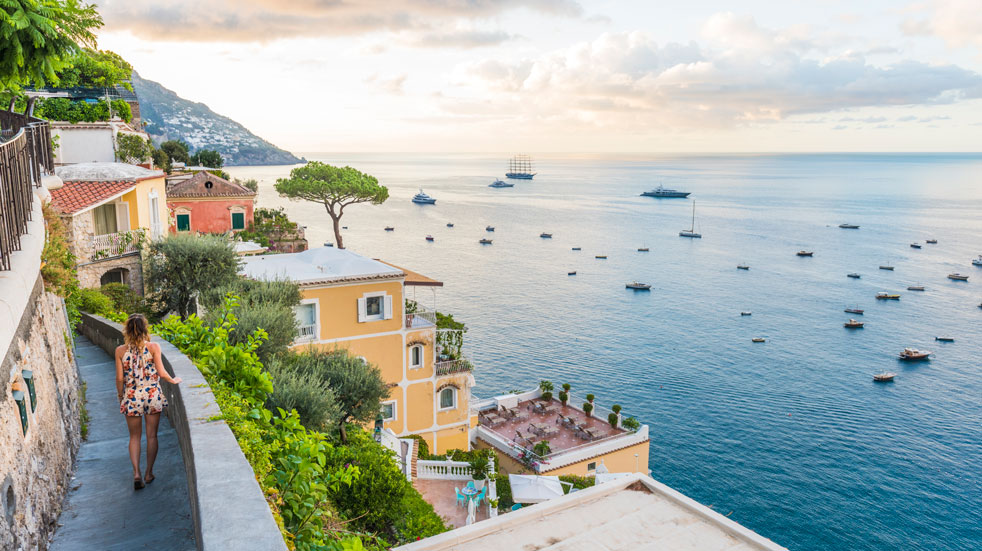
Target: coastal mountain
171,117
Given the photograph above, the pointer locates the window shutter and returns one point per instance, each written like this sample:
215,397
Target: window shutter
387,311
122,217
362,309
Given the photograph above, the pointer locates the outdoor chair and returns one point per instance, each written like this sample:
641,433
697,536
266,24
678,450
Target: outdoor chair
470,483
516,506
480,497
520,415
461,498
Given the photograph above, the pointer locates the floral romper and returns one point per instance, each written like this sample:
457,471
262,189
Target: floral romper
141,385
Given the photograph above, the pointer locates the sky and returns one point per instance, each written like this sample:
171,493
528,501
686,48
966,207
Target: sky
574,76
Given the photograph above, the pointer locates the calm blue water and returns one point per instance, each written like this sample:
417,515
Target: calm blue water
791,436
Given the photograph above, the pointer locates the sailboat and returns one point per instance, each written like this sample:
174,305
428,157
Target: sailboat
520,168
691,232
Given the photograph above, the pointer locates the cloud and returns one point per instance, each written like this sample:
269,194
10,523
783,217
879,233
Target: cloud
393,86
460,39
957,22
864,119
266,20
743,74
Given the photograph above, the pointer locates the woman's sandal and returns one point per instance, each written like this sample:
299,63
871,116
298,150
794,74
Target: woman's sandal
150,480
138,484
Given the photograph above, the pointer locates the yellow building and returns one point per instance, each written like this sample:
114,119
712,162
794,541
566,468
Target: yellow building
359,304
106,206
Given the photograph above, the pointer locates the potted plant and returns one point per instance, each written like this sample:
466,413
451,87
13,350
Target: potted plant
542,449
567,387
587,408
612,419
590,397
546,388
563,397
480,467
631,424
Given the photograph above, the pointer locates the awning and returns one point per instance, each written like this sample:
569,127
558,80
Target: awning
534,489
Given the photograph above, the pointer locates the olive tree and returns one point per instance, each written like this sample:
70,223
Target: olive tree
181,266
334,187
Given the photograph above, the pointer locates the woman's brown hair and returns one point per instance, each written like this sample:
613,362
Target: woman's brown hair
136,332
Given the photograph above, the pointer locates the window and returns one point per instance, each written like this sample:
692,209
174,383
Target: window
238,220
448,398
119,275
104,218
416,356
591,466
306,321
183,222
155,229
374,307
388,411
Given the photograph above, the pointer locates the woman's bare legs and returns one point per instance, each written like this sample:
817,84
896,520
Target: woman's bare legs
135,425
153,421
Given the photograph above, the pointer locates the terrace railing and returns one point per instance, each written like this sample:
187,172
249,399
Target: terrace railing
422,317
112,244
448,470
449,367
307,332
25,155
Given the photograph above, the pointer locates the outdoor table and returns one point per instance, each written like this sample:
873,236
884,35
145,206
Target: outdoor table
470,492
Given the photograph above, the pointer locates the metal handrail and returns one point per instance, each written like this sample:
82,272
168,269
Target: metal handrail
25,155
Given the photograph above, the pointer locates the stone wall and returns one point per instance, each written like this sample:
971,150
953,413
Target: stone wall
90,273
36,467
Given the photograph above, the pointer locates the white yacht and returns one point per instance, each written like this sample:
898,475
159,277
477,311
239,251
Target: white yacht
423,199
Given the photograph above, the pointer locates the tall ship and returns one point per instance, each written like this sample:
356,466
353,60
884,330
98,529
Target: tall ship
663,192
520,168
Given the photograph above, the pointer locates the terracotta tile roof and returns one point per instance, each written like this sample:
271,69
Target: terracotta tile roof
415,278
206,184
76,196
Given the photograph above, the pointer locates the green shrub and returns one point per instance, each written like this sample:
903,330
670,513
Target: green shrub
563,397
178,266
424,448
94,302
310,397
631,423
123,298
587,408
578,482
279,322
612,419
542,448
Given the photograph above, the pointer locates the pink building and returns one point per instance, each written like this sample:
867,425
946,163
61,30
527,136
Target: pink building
205,203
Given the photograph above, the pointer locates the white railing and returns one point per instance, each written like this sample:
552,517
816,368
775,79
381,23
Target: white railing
307,332
447,470
420,318
396,444
112,244
450,367
593,449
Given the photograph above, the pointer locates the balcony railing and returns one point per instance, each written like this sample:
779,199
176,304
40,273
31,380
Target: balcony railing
420,318
449,367
25,155
307,332
112,244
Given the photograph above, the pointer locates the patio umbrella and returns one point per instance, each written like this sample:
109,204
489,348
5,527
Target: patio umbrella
534,489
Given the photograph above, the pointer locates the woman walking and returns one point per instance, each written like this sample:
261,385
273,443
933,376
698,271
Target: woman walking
138,374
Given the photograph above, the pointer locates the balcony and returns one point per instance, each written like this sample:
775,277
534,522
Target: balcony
421,317
25,156
307,332
451,367
114,244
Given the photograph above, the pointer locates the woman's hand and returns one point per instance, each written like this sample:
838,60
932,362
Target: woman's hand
175,381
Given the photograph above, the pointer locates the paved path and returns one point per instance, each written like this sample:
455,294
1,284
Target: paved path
102,510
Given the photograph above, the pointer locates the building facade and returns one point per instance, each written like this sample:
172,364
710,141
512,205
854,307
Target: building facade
205,203
358,304
108,208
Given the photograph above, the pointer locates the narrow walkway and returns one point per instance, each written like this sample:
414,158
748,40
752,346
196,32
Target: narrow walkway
102,510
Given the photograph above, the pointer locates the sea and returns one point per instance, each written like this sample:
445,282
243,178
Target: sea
790,437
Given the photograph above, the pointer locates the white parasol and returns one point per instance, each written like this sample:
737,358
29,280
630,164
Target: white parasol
534,489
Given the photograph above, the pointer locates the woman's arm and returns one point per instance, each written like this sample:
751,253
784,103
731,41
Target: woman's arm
159,364
119,373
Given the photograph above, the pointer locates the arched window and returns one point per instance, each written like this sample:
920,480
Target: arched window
416,356
448,398
117,275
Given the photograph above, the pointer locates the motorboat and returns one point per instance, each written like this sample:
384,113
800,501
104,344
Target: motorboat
742,267
637,286
545,235
855,310
485,241
915,288
500,183
662,192
885,377
915,245
977,261
429,238
853,324
489,228
849,226
449,224
746,313
913,354
945,339
958,277
932,241
758,339
854,275
570,273
691,232
805,253
389,228
423,199
601,257
886,268
642,249
577,249
887,296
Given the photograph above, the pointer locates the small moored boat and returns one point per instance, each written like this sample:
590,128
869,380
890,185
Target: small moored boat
389,228
884,377
429,238
691,232
642,249
849,226
915,245
853,324
577,248
485,241
637,286
945,339
855,310
886,268
958,277
449,224
977,261
746,313
742,267
545,235
805,253
489,228
887,296
601,257
570,273
932,241
854,275
915,288
758,339
499,183
912,354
